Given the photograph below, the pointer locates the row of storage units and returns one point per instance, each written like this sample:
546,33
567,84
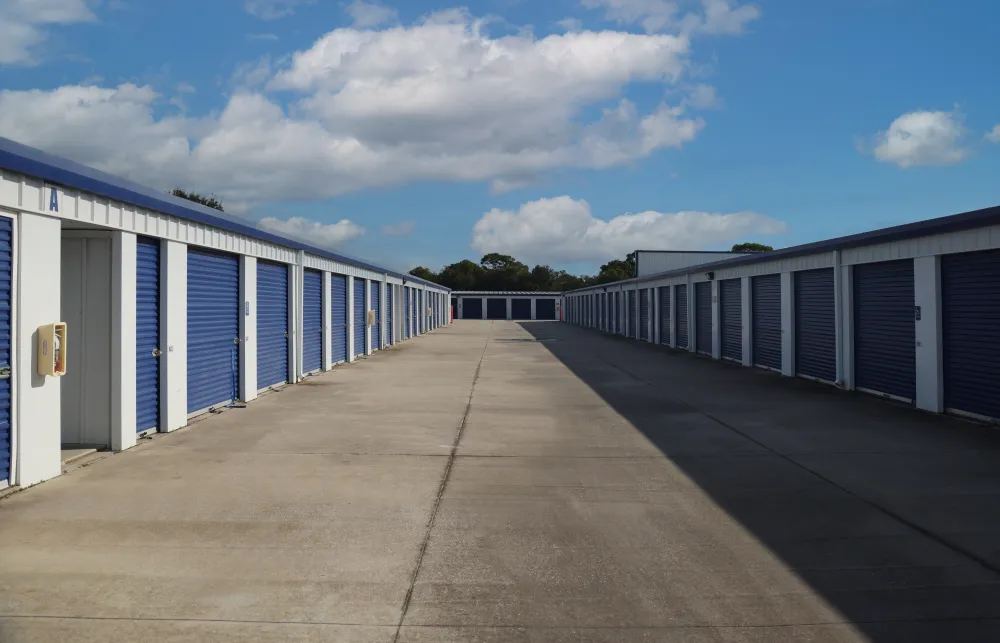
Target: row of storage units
125,311
908,313
521,306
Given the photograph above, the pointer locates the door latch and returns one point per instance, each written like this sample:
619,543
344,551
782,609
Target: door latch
156,352
4,372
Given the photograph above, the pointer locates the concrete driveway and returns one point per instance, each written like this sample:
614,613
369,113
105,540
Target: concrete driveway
478,485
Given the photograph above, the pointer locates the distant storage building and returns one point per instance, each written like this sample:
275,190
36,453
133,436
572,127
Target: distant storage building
910,313
506,305
124,310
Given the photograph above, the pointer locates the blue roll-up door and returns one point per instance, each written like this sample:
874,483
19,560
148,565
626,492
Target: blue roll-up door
338,318
765,314
682,317
632,319
970,297
731,317
496,308
520,309
360,315
389,321
703,316
213,329
472,308
406,312
665,315
616,313
376,294
815,325
272,323
147,334
644,314
454,307
545,309
312,321
600,311
885,332
6,284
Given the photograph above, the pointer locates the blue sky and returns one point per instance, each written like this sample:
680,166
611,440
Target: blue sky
566,132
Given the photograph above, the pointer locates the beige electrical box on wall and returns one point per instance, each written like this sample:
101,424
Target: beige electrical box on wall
430,311
52,349
371,317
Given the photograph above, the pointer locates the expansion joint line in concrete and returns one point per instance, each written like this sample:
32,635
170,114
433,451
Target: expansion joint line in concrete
937,538
441,489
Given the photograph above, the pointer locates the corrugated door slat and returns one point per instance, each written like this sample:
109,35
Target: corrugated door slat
472,308
147,334
682,316
703,316
6,282
815,325
312,321
359,316
885,343
765,312
664,315
545,309
272,323
338,317
213,329
520,308
644,314
376,290
731,312
970,292
389,292
421,313
496,308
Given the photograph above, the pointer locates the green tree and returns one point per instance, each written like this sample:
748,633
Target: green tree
211,200
464,275
425,273
750,246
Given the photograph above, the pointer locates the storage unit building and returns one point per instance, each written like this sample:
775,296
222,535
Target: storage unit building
511,305
908,312
171,309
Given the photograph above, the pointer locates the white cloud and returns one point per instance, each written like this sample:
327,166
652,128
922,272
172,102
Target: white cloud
921,139
327,235
273,9
563,229
437,100
400,229
186,88
993,136
23,25
262,36
685,16
703,97
370,14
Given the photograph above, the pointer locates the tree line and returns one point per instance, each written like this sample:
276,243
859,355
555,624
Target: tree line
497,271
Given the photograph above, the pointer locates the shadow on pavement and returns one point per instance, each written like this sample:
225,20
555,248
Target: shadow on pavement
890,514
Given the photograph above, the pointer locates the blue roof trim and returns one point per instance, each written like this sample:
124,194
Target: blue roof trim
22,159
940,225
